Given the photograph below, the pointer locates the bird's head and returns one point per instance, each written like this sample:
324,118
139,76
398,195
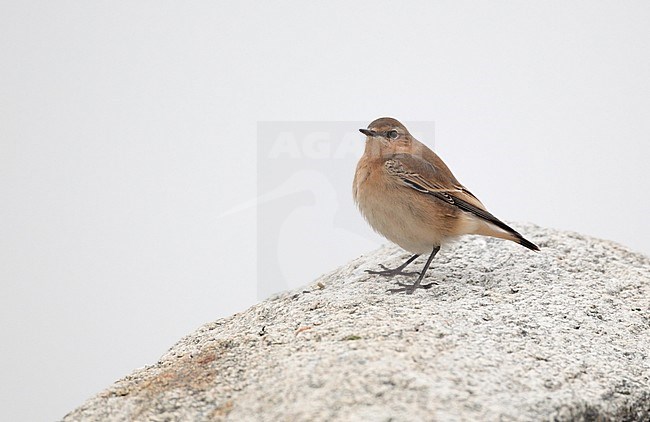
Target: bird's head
387,135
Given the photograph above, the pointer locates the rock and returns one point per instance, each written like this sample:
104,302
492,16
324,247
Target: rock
506,334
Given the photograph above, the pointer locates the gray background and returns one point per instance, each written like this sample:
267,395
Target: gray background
128,135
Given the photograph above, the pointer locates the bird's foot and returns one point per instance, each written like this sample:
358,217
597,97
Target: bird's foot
409,289
391,272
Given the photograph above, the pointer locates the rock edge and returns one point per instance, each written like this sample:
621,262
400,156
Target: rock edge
506,334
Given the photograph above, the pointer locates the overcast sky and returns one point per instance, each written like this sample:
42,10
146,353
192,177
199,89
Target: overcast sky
135,164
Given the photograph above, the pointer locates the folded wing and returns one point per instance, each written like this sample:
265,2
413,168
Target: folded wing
422,176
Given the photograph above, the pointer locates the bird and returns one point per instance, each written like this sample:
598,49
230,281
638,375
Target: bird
408,195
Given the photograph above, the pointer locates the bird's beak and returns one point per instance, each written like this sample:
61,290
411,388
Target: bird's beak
368,132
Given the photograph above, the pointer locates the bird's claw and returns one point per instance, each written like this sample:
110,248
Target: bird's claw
409,289
390,272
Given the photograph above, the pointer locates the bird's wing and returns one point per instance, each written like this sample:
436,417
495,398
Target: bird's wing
422,176
425,177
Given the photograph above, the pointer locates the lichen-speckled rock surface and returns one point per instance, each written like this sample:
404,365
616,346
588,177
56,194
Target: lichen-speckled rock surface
507,334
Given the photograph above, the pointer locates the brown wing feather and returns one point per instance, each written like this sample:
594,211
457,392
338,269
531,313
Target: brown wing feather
424,177
434,177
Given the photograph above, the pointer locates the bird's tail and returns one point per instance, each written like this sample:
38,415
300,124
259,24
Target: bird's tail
489,225
525,242
503,231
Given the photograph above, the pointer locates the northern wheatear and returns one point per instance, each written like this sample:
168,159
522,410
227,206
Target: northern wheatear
408,195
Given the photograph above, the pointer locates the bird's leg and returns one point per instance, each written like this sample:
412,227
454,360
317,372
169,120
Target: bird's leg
410,288
390,272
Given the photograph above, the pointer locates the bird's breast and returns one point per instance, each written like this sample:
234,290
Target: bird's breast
404,216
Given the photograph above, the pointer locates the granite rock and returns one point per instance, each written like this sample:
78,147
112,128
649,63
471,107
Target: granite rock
505,334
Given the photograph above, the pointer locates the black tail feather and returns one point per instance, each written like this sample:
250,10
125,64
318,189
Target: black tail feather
526,243
485,215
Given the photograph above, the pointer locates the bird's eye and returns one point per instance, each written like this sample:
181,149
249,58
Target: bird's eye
392,134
